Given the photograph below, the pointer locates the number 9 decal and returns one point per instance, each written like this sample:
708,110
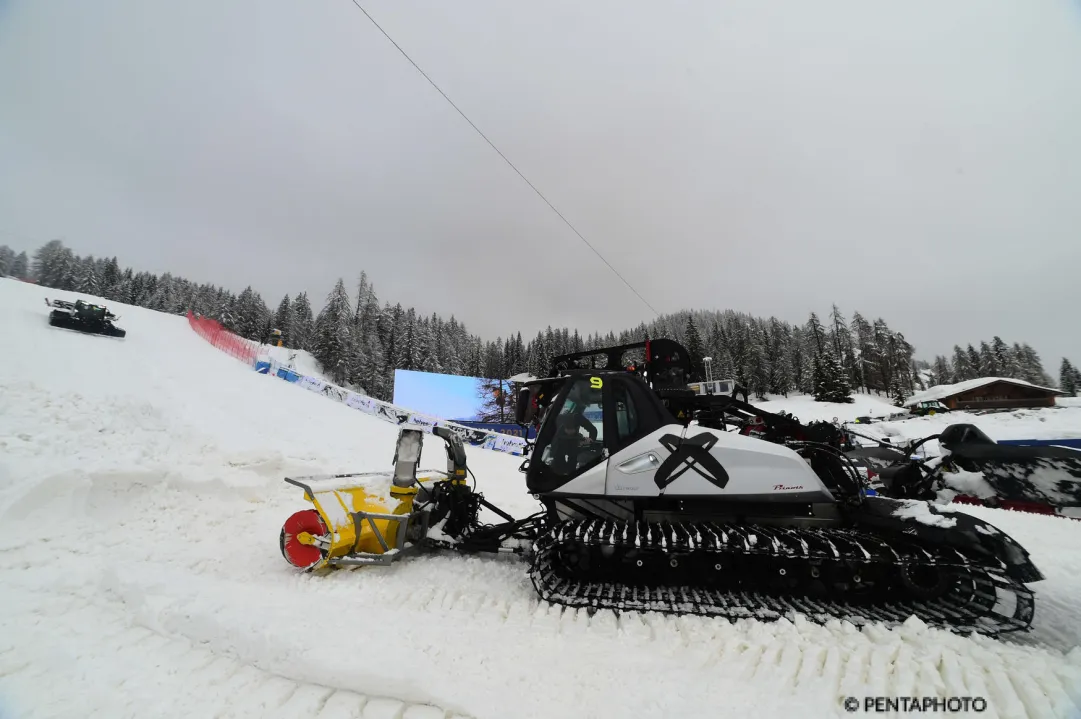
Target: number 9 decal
596,382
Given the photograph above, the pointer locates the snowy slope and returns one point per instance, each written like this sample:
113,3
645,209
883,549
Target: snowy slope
140,504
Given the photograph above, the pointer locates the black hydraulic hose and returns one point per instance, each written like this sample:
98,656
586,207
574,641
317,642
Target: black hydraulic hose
846,463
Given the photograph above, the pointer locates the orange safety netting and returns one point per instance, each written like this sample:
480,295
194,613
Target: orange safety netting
213,332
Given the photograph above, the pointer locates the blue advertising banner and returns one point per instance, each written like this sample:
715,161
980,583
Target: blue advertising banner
512,429
473,399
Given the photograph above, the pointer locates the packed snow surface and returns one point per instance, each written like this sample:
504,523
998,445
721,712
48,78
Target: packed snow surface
806,409
141,499
972,484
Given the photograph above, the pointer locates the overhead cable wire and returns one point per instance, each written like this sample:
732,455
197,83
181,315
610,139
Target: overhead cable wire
505,158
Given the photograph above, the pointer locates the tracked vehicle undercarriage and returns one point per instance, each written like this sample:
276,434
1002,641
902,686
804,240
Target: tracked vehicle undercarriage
650,504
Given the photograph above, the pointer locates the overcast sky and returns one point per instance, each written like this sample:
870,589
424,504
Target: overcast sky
916,160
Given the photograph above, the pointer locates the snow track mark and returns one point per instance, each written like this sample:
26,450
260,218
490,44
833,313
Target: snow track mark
95,665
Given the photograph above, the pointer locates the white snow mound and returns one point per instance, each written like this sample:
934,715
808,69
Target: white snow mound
921,512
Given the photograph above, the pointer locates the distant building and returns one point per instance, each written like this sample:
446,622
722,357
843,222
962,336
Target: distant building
988,393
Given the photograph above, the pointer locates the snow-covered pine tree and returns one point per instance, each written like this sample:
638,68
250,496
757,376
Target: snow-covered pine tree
362,297
818,376
48,267
865,349
110,277
367,369
1069,379
7,260
449,357
759,364
396,325
832,380
885,356
843,346
70,268
533,360
332,343
902,361
520,352
21,267
917,376
88,280
941,372
252,316
427,351
551,350
717,346
694,348
1003,358
817,335
897,392
1031,367
1012,367
780,369
163,298
406,350
140,289
283,321
976,368
988,362
493,360
800,361
303,323
475,365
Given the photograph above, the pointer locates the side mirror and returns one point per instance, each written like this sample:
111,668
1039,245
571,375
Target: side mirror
523,408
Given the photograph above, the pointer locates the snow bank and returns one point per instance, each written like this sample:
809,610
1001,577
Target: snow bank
300,360
141,499
972,484
807,410
921,512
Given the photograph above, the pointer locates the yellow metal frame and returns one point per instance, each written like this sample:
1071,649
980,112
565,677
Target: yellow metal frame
363,527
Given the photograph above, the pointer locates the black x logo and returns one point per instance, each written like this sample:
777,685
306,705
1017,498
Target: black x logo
692,453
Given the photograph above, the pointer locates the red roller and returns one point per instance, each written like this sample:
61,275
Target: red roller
296,553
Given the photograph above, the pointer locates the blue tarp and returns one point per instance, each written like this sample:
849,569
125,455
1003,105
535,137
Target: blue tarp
288,375
262,367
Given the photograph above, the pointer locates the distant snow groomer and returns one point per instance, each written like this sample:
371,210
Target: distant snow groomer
83,317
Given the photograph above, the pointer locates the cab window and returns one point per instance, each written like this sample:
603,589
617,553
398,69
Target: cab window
578,440
626,415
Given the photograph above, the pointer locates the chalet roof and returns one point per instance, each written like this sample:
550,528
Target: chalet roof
942,391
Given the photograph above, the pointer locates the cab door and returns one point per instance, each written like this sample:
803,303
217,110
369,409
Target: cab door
571,453
637,423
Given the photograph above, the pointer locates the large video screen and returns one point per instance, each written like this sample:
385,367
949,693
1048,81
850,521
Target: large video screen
451,397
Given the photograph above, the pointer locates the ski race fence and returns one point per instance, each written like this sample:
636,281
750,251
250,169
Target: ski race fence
213,332
254,355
